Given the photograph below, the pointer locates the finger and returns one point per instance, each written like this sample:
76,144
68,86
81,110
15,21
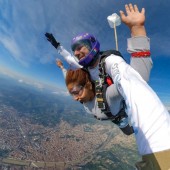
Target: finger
127,9
136,8
143,11
46,34
122,15
51,36
131,7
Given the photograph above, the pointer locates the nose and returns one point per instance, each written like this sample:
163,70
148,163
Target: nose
76,53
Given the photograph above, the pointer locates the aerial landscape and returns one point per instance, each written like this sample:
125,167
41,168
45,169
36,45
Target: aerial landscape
38,130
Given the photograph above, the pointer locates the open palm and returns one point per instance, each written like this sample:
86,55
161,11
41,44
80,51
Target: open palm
133,17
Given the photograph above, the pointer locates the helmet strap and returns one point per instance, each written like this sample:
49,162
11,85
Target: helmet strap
93,60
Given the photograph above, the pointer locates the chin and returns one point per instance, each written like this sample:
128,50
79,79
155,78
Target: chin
83,101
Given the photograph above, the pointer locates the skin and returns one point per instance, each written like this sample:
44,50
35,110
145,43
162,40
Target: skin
87,94
81,52
59,64
134,20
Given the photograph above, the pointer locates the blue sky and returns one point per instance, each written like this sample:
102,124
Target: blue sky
26,55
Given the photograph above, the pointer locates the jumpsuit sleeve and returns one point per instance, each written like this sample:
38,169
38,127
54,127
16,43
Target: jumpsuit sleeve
64,71
142,64
70,59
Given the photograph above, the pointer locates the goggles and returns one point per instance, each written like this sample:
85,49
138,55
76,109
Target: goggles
78,47
79,44
77,91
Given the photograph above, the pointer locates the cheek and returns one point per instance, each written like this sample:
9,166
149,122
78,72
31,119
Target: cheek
88,95
85,50
70,86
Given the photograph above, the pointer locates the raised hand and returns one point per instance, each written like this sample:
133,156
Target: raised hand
52,40
134,19
59,63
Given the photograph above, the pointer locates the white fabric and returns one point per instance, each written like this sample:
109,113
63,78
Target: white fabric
91,107
139,43
143,65
94,73
146,112
70,59
64,71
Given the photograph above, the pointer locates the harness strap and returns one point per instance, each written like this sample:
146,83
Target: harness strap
102,104
121,114
101,87
101,98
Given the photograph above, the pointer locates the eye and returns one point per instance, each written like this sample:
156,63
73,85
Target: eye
78,48
76,92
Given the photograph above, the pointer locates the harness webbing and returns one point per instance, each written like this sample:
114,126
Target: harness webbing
101,86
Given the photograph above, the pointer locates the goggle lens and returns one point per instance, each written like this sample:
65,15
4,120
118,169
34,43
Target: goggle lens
77,91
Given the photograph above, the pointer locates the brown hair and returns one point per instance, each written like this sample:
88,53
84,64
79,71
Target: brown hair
80,77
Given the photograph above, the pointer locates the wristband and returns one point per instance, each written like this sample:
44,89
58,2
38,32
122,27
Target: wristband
141,54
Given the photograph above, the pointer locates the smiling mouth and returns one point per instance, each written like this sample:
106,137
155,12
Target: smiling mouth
81,57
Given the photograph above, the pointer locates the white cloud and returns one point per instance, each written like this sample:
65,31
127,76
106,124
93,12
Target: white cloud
64,93
24,23
32,81
20,81
13,47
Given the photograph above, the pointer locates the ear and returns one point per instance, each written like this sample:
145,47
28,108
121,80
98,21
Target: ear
89,85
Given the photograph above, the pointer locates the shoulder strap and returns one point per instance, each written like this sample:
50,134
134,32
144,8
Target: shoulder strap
109,52
105,81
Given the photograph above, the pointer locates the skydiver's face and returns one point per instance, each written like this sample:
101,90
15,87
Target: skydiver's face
81,93
81,51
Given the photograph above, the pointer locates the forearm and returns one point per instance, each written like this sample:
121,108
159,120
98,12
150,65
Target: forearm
64,71
68,57
141,62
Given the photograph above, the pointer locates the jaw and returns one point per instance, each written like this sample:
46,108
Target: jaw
88,98
81,56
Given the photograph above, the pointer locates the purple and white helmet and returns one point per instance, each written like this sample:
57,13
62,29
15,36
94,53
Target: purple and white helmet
91,42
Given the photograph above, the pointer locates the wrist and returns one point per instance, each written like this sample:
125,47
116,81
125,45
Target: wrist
138,30
56,44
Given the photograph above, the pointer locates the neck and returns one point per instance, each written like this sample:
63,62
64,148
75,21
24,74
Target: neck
95,64
95,61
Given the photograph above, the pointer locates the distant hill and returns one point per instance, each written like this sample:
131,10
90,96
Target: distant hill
41,107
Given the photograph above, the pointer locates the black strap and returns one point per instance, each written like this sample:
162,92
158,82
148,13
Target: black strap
101,99
101,88
121,114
